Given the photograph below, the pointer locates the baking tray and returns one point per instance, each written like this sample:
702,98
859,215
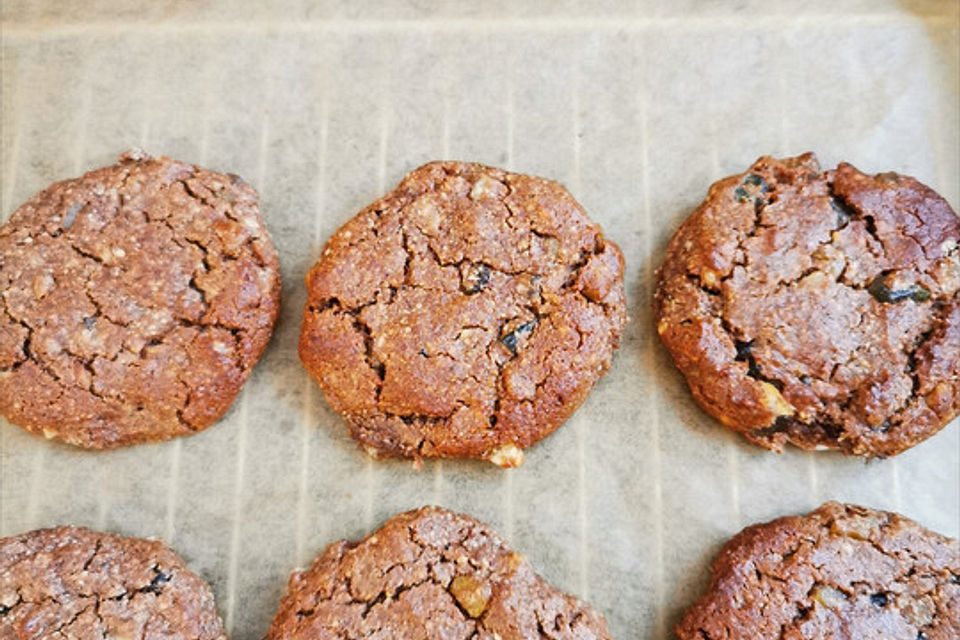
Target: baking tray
636,107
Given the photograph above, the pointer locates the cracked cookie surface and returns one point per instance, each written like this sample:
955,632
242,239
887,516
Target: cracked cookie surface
135,301
466,314
842,572
73,583
818,308
429,574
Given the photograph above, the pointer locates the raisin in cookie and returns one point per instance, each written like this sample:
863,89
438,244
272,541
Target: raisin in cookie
72,583
465,314
841,572
817,307
429,574
135,301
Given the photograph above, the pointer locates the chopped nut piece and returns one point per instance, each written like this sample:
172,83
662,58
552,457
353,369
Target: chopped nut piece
42,285
829,597
471,594
710,279
774,400
484,187
507,456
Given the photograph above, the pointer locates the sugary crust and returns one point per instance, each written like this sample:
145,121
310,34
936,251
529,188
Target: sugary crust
818,308
72,583
135,301
429,574
842,573
466,314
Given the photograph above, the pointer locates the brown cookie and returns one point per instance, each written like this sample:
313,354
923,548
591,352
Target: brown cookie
818,307
841,573
465,314
73,583
429,574
135,301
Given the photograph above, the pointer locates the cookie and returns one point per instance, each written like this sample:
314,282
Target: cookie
72,583
429,574
818,308
135,301
467,313
842,572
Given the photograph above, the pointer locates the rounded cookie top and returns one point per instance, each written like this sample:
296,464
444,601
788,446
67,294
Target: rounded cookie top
135,301
842,572
466,314
429,574
818,307
73,583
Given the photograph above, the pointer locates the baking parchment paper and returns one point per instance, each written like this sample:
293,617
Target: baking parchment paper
637,107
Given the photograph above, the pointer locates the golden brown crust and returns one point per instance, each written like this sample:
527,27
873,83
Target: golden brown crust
818,308
465,314
429,574
136,299
842,572
72,583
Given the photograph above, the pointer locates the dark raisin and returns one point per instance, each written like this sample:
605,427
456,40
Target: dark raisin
882,293
159,579
883,427
744,354
71,216
806,380
89,322
757,181
483,275
955,579
879,599
741,194
510,340
4,610
476,278
780,425
423,352
833,431
743,350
